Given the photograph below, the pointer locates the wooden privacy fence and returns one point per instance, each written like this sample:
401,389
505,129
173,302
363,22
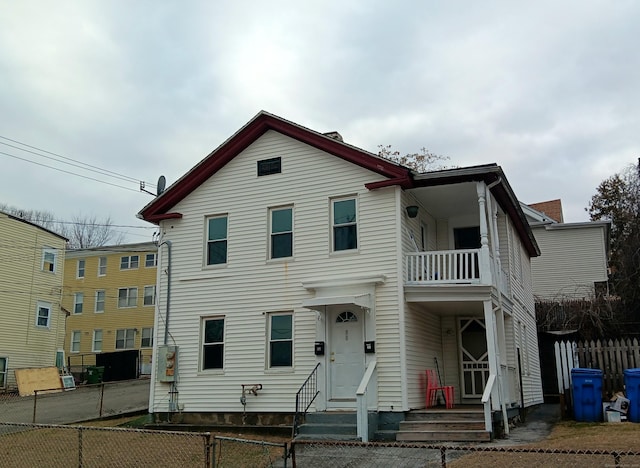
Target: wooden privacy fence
613,357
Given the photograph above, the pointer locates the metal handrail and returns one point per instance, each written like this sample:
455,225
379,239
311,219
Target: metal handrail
304,397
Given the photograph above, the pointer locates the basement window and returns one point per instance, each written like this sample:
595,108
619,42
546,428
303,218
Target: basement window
269,166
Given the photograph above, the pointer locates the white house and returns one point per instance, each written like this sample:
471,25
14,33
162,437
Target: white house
289,268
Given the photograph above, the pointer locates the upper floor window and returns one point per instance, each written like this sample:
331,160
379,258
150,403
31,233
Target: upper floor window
150,260
78,302
80,269
127,297
125,338
217,240
43,314
102,266
96,347
100,298
269,166
149,295
49,259
281,232
213,343
344,224
281,340
130,262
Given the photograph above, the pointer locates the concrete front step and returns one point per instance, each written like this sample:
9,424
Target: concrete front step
339,425
455,414
444,425
443,436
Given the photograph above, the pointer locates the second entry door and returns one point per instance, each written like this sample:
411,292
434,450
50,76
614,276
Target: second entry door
346,356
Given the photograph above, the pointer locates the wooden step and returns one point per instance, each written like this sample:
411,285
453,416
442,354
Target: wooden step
444,425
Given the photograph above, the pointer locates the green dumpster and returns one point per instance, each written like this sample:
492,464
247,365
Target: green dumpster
94,374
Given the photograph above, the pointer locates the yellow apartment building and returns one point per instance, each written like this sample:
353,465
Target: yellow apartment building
31,273
110,293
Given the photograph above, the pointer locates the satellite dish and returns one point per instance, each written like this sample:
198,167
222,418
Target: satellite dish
162,183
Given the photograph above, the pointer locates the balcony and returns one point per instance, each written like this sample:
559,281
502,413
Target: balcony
443,267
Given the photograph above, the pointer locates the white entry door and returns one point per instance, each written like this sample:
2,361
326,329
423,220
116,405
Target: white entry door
346,354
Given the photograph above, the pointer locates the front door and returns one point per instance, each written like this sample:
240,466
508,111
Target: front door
346,355
474,357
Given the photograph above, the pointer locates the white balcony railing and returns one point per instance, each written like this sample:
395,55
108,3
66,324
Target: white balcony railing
443,266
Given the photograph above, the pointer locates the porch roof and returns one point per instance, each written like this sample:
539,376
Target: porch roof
319,302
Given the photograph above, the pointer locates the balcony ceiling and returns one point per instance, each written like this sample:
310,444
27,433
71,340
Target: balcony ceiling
446,200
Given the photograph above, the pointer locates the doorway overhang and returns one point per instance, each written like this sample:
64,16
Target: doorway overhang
320,302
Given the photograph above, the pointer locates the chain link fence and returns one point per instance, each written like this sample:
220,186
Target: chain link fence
82,403
320,454
231,452
29,445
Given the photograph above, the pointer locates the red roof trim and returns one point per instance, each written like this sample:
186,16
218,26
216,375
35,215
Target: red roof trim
263,122
160,217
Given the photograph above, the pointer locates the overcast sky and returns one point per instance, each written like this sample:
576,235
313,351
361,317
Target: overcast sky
549,90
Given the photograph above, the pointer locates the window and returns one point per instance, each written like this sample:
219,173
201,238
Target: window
269,166
213,343
127,297
125,338
147,338
80,270
217,240
49,257
102,266
345,232
97,341
43,315
150,260
75,341
78,301
3,372
129,263
280,340
149,295
281,232
100,298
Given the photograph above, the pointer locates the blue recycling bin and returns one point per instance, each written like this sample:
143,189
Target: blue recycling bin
632,390
587,394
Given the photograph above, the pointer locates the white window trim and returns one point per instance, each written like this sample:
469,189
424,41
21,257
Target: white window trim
155,260
71,342
93,341
50,250
332,202
133,346
129,267
144,295
128,297
142,337
3,374
78,269
43,305
100,266
271,233
203,320
269,367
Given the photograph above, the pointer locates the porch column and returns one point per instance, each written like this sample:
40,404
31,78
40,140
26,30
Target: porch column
485,269
492,346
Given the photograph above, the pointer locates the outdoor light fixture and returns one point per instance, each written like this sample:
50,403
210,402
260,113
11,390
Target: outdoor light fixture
412,211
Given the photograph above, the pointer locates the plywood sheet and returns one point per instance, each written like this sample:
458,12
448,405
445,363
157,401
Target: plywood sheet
43,378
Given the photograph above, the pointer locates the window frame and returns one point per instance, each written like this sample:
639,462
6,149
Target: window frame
43,305
94,349
4,371
129,264
335,226
270,166
98,301
273,235
149,338
271,341
78,303
54,264
102,266
125,339
153,296
128,298
73,342
204,344
81,268
208,242
154,260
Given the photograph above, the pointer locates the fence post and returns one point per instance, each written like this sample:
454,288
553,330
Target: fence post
101,397
80,447
443,456
35,401
207,451
285,455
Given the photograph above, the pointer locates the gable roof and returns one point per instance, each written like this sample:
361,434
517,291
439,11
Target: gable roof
31,223
160,207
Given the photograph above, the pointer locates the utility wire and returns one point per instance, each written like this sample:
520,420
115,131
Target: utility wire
79,163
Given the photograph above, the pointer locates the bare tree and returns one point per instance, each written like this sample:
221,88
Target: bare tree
422,161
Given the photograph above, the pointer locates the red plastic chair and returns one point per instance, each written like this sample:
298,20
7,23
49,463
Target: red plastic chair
433,388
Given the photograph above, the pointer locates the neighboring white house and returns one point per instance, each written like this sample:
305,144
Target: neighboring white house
574,256
287,254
